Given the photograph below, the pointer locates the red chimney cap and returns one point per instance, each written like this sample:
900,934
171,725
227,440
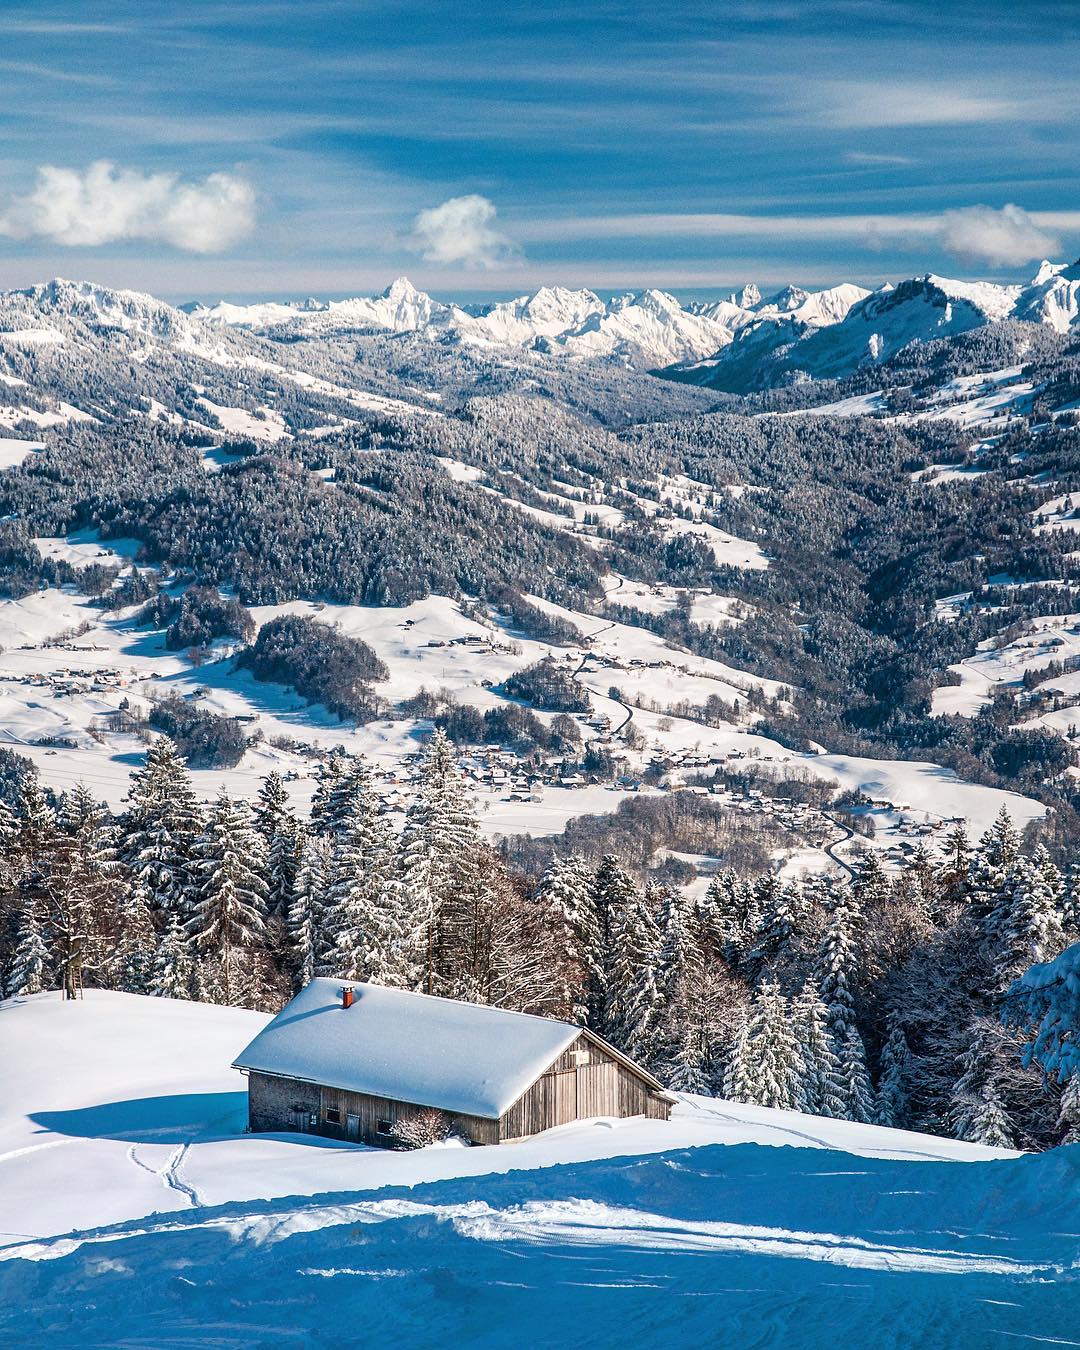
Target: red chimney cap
348,997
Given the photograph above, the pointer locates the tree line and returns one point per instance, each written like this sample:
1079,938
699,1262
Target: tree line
881,998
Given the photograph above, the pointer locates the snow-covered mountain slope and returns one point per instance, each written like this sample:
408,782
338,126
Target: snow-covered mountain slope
835,333
76,351
1053,297
134,1209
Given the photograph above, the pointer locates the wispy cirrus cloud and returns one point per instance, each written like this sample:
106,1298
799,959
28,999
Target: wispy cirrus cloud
104,204
998,237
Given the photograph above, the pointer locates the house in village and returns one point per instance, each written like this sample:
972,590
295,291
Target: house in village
350,1060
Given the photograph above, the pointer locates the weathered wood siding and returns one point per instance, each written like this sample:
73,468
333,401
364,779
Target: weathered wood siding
584,1081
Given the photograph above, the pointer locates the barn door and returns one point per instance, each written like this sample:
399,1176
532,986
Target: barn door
598,1090
352,1126
565,1097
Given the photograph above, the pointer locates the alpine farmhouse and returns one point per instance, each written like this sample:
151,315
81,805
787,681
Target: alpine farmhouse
350,1061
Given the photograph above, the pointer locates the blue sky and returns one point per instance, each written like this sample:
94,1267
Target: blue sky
324,146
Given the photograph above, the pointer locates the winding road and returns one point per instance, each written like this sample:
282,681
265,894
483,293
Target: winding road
847,833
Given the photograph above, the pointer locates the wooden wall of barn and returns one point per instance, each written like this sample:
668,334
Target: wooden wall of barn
584,1081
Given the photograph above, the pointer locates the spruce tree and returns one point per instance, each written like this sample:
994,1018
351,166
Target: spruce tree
774,1066
976,1110
173,970
857,1093
633,1000
566,892
823,1091
136,949
363,890
613,890
228,925
311,927
162,833
30,960
1068,1120
894,1080
441,879
838,964
738,1080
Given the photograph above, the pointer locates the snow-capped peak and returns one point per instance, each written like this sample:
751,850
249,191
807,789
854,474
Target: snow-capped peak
748,297
1047,271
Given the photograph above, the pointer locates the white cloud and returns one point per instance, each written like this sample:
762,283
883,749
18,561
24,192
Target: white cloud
878,103
1000,238
460,232
104,205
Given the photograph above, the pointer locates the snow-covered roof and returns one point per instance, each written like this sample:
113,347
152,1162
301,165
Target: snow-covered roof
409,1047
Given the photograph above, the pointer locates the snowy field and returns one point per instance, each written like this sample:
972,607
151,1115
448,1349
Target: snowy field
135,1212
66,667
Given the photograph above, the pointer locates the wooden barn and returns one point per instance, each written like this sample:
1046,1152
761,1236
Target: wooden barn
350,1061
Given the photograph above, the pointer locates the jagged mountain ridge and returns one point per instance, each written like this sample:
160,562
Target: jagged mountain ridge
740,343
645,329
785,347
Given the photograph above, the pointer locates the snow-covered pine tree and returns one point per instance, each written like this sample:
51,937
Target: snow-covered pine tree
1025,926
774,1066
1070,904
894,1078
976,1110
311,922
738,1080
228,924
173,969
782,914
633,1000
30,960
838,964
613,889
822,1088
441,880
36,822
679,945
566,892
272,807
364,890
162,831
331,772
1069,1111
953,876
133,964
991,871
857,1092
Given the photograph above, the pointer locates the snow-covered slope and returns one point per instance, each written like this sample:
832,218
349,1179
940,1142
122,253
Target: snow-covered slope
1053,298
78,352
135,1211
834,333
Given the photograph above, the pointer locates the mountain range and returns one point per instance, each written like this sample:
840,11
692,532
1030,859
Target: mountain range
76,351
743,342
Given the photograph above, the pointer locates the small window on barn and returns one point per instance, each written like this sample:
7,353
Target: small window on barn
383,1126
579,1057
333,1115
